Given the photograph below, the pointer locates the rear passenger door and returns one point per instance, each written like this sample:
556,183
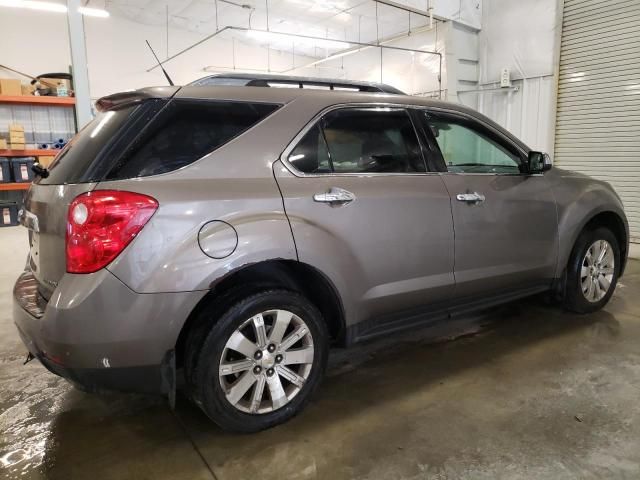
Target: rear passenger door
365,211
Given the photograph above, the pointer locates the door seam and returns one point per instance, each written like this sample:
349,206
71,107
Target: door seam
284,208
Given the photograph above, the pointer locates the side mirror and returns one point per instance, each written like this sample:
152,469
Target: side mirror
538,162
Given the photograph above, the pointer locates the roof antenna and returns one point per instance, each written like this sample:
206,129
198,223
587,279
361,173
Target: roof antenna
160,64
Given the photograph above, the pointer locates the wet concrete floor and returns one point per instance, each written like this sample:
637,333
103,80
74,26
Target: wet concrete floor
524,391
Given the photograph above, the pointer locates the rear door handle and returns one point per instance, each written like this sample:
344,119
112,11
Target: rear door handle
474,197
334,196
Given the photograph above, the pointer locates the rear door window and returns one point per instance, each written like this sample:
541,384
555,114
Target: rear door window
360,140
185,131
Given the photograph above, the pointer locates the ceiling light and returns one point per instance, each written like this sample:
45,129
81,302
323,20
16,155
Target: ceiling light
93,12
287,38
34,5
52,7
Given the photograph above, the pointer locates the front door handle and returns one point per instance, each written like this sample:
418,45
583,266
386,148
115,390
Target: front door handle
474,197
335,196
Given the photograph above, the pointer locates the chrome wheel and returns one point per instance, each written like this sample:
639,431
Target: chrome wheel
596,273
266,361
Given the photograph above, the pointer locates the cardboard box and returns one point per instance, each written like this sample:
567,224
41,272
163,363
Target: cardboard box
9,86
3,144
27,89
46,160
16,146
16,127
16,138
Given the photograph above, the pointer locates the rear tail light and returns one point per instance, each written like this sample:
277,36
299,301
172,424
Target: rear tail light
100,224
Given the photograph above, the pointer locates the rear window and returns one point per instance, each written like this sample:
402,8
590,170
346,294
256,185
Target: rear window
75,161
152,139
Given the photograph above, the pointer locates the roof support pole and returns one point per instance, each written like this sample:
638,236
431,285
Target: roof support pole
79,63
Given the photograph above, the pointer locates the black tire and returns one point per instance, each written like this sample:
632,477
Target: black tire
207,391
574,299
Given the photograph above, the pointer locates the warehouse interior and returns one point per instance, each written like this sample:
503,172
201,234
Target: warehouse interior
522,390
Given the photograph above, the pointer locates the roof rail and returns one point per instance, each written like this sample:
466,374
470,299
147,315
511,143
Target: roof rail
262,80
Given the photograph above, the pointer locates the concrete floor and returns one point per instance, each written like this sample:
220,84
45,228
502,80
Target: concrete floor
526,391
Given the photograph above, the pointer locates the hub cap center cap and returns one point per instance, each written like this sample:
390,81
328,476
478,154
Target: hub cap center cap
268,360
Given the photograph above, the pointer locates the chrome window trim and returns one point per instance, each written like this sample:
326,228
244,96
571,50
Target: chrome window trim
284,156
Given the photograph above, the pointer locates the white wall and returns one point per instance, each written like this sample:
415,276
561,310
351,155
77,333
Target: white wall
411,72
521,36
116,51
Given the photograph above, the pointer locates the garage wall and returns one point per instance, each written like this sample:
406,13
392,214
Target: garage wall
528,49
117,54
598,115
412,72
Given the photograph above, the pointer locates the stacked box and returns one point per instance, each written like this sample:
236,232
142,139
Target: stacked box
10,86
46,160
16,137
5,170
21,168
3,144
8,214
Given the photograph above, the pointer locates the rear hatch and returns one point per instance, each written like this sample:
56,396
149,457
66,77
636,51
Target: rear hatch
77,169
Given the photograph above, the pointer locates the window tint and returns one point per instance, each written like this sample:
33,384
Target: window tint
369,140
75,161
466,150
310,155
185,131
360,140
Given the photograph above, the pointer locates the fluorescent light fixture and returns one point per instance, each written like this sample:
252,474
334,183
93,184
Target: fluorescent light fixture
34,5
52,7
287,38
93,12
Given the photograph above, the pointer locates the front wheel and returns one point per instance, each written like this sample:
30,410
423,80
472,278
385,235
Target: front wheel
592,273
261,361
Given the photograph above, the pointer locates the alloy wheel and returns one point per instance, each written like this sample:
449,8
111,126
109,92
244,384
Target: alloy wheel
266,361
597,270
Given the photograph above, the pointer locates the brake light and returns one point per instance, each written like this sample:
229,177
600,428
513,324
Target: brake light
100,224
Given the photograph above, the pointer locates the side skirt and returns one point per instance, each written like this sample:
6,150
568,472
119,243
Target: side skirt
432,314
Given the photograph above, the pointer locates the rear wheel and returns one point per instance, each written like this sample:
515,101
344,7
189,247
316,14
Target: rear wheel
593,270
261,361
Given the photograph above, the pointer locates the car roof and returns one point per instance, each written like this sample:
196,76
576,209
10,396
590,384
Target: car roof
265,80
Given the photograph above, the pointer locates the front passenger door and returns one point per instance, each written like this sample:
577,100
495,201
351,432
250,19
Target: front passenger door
505,221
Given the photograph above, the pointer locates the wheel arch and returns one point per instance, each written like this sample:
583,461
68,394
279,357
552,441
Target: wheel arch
252,278
610,220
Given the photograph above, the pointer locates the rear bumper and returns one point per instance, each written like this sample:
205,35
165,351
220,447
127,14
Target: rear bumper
99,334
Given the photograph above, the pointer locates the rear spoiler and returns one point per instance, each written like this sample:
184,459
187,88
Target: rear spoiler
119,100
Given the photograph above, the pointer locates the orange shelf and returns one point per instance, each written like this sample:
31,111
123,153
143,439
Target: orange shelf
28,153
14,186
33,100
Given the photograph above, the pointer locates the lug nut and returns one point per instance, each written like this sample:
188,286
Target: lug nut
271,348
258,355
270,371
257,369
278,358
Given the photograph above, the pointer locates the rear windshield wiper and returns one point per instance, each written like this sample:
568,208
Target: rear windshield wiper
40,170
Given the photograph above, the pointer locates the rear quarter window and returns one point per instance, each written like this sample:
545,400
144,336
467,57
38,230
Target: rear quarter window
183,132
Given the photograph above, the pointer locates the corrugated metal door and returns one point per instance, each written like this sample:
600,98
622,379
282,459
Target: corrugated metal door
598,116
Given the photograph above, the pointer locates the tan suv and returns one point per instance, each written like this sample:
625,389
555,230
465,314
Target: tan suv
233,233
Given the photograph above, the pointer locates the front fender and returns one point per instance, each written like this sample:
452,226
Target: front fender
579,199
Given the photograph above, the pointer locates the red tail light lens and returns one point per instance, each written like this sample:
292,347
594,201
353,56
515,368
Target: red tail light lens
100,224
